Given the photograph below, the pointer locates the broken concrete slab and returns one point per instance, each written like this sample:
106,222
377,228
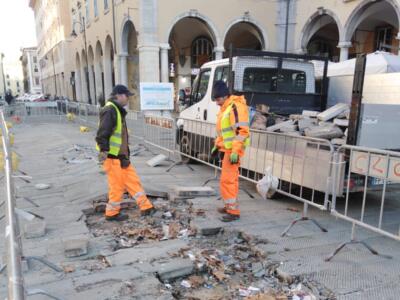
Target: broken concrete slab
278,126
341,122
145,252
333,111
76,246
34,229
288,128
306,123
152,191
324,132
42,186
310,113
206,227
193,191
157,160
176,268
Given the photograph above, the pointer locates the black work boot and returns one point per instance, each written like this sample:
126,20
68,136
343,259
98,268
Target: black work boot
148,212
119,217
230,218
222,210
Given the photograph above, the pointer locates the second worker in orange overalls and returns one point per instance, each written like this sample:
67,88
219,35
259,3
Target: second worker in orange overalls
233,136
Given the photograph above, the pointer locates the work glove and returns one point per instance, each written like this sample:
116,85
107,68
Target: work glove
214,153
102,157
234,158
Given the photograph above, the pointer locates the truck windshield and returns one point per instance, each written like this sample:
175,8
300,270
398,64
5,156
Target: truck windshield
261,80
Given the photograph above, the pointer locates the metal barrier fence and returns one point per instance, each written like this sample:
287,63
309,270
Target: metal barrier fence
379,172
303,165
309,170
16,288
13,245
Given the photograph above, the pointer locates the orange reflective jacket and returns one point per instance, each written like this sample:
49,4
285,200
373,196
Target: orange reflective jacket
239,119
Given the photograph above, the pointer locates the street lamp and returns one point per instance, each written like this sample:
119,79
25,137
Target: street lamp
74,35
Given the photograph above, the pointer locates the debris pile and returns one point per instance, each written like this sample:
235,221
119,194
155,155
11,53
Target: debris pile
230,265
226,264
330,124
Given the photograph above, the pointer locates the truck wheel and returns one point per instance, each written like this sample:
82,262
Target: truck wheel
185,147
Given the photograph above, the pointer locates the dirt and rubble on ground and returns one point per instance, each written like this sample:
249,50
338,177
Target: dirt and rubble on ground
330,124
79,154
227,264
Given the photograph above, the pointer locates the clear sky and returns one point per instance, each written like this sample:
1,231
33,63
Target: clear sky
17,29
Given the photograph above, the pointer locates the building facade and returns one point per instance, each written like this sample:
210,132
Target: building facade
53,27
133,41
30,71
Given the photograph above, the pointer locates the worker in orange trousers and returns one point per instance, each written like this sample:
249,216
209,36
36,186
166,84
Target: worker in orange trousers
113,146
233,136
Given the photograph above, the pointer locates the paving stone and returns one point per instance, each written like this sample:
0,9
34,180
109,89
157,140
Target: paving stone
157,160
194,191
333,111
174,269
206,227
76,246
278,126
145,253
34,229
310,113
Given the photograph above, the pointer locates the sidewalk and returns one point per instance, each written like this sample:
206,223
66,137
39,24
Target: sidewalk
128,273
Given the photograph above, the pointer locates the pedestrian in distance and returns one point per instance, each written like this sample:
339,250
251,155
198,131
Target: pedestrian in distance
233,136
114,155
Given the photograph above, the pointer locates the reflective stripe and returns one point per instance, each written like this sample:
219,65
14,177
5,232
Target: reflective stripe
138,194
230,201
240,138
229,129
117,135
115,144
244,124
229,139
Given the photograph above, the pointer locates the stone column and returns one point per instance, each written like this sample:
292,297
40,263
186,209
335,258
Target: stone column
107,76
219,52
164,62
344,50
149,63
123,67
398,38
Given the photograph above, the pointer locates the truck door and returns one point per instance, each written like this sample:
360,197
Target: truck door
198,101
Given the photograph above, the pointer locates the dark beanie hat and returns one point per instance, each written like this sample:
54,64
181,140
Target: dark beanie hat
219,90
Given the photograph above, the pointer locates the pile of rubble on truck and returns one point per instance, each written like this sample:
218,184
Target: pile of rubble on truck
330,124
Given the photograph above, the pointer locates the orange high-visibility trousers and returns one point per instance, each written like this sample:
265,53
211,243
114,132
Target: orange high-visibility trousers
119,181
229,185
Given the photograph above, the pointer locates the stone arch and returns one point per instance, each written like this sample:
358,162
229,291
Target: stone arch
311,26
99,73
196,15
92,75
109,73
356,17
254,23
129,60
78,78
